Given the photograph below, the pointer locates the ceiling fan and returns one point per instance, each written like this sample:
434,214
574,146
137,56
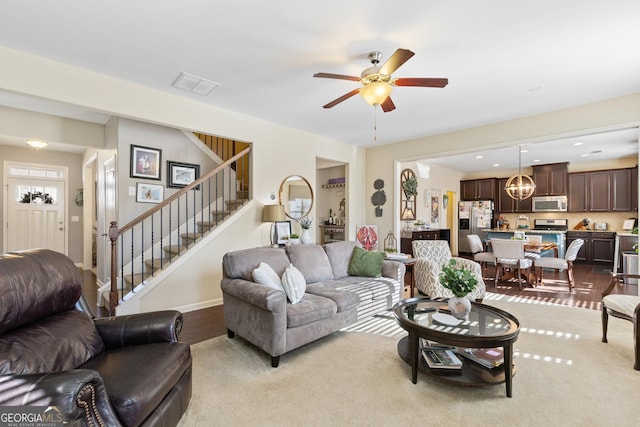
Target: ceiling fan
377,82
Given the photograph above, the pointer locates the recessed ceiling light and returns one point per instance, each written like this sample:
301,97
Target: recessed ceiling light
495,165
479,156
575,144
195,84
536,161
584,155
36,143
524,151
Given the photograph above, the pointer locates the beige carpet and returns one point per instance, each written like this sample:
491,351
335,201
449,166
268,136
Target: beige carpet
565,377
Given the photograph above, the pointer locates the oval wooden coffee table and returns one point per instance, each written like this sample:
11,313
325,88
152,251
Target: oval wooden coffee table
486,327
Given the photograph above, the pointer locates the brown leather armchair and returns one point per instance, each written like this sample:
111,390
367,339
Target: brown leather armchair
115,371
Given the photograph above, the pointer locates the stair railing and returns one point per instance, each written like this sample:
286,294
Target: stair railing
174,225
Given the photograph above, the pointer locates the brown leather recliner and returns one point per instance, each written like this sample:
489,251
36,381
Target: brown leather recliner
116,371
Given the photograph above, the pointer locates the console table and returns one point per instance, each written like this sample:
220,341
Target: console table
408,236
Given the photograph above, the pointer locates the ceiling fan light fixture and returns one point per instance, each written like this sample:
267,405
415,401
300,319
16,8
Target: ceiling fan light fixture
376,93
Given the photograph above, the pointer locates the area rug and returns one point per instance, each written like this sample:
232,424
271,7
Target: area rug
565,376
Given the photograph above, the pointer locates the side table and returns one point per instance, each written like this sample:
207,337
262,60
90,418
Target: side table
410,266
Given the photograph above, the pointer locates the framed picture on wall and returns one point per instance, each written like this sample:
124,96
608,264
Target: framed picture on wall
367,235
149,193
434,210
145,162
283,232
180,175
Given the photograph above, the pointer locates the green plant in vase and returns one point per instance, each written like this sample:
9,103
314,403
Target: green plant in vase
460,281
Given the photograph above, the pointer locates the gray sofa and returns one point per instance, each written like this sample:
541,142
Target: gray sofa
332,300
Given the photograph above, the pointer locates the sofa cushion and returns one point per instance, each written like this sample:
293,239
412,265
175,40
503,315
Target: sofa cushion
240,264
339,254
345,299
137,378
265,275
312,261
311,308
378,287
56,343
365,263
294,284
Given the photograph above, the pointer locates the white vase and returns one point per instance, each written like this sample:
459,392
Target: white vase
459,307
305,237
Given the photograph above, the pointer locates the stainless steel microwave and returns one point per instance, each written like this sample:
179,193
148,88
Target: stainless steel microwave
549,203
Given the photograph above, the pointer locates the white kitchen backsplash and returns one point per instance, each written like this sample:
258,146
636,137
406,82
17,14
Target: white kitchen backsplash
614,220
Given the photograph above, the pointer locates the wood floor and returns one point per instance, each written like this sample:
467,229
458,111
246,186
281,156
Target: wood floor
590,280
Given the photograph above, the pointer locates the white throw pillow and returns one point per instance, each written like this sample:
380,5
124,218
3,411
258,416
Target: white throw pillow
265,275
294,284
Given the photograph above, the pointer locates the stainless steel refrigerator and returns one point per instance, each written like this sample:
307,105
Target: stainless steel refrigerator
473,217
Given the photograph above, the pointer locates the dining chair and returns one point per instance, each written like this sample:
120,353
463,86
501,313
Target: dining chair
625,307
510,254
480,254
565,263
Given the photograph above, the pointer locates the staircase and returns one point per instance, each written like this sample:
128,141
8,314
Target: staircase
146,246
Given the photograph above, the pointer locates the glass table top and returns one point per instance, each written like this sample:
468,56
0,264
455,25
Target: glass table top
483,320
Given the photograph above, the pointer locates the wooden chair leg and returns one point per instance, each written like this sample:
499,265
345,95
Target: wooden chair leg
605,323
570,276
495,279
541,270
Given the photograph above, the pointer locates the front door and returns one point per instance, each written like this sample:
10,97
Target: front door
35,214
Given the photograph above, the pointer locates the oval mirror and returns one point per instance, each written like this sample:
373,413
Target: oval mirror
296,196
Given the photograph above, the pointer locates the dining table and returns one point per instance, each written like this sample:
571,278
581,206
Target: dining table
541,246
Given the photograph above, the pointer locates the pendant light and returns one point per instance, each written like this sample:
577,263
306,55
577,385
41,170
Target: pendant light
520,187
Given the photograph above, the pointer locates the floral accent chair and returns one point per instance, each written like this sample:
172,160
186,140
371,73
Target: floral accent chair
430,256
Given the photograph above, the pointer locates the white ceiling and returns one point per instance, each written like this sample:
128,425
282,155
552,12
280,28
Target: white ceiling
504,59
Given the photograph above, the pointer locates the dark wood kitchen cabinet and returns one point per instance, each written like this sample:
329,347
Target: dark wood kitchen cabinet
614,190
598,245
508,205
550,180
599,191
478,189
621,190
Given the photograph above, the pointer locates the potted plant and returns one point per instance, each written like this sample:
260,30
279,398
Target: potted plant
460,281
410,186
305,224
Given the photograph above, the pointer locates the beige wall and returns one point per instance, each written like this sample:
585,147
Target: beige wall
385,161
280,151
277,151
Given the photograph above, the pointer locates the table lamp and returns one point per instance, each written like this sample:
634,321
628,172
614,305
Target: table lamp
273,213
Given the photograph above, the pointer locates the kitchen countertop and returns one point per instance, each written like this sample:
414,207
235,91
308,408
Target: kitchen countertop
526,230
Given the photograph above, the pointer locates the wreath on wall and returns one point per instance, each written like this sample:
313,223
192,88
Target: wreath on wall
37,197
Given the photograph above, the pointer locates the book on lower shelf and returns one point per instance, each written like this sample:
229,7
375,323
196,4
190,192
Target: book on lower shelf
487,357
441,359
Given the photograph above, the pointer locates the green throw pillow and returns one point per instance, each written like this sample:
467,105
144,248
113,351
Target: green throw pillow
365,263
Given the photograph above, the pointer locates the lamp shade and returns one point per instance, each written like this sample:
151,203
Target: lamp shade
375,93
273,213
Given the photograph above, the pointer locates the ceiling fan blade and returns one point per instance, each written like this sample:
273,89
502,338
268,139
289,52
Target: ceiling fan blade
342,98
388,105
399,57
424,82
337,76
